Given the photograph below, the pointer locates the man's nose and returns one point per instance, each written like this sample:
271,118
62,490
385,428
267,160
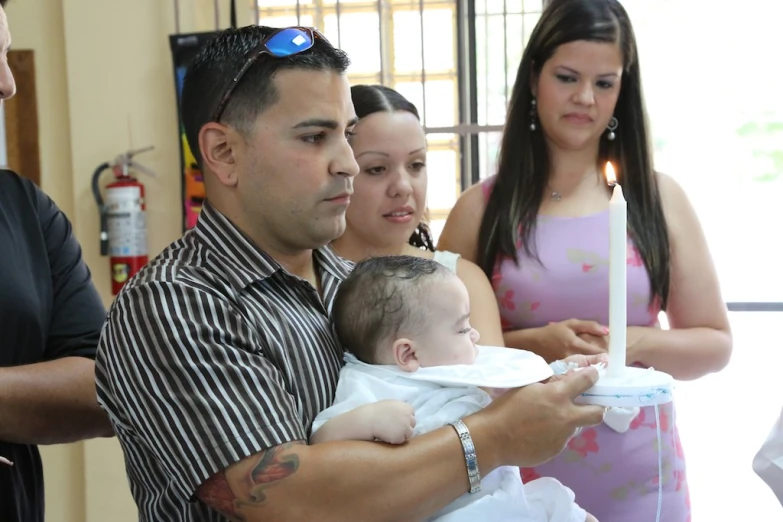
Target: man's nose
7,82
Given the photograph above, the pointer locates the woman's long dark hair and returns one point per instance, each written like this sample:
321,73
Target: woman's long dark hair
369,99
523,169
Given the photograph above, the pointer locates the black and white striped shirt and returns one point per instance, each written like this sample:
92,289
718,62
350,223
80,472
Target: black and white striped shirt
212,353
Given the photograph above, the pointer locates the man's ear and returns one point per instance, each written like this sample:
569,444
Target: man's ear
218,145
404,351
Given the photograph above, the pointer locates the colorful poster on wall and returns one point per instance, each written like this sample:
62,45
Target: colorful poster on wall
183,49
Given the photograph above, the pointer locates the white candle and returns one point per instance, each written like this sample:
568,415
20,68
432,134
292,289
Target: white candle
618,219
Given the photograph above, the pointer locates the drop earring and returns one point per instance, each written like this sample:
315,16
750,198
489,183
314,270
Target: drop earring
533,114
611,127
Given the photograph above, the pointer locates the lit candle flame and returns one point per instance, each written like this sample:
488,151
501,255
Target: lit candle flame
611,178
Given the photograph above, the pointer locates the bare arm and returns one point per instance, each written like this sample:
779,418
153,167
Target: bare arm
685,354
460,235
359,481
51,402
461,232
55,401
343,481
699,341
484,313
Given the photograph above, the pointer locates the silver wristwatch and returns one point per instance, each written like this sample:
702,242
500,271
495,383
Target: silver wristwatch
470,455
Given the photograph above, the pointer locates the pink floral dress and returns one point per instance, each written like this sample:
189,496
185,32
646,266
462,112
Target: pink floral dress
614,475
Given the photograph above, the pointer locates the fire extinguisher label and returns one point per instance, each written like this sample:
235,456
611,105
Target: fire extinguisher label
126,222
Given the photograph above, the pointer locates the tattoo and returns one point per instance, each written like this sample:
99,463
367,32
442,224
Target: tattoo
217,494
274,465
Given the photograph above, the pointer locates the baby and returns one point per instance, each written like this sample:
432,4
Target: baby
396,315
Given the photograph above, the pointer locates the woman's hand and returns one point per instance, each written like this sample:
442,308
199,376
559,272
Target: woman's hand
600,341
559,340
574,336
634,335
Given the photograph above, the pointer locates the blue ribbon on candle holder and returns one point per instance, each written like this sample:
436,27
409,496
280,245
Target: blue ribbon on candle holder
643,398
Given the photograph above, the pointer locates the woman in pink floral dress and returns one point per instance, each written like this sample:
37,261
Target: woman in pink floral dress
540,230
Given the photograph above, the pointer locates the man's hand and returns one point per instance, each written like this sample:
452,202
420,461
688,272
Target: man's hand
5,461
391,421
582,360
528,426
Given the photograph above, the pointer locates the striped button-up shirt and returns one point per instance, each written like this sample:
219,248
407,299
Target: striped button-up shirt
212,353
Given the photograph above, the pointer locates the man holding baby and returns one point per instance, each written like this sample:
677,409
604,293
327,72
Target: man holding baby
217,357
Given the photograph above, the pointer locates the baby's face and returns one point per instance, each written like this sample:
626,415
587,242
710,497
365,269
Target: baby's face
448,338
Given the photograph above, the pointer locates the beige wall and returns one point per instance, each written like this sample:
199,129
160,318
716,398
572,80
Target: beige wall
105,84
43,32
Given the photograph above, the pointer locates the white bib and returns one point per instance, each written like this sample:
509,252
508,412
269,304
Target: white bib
495,367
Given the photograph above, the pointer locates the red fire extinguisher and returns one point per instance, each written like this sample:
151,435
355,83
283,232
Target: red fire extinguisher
123,222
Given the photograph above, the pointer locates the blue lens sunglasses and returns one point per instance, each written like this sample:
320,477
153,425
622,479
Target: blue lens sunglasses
281,43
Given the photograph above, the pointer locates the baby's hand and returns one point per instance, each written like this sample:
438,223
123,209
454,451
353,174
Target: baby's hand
392,421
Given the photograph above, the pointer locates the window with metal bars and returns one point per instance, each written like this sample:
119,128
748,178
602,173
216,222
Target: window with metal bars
456,60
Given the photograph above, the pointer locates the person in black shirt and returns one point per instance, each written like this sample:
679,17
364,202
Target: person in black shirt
50,321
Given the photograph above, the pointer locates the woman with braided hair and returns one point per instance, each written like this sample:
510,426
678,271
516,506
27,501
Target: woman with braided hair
386,214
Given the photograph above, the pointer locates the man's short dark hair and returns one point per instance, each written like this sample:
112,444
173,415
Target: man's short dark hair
384,298
215,65
2,3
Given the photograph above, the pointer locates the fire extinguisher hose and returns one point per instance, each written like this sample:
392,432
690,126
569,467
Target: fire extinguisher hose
96,192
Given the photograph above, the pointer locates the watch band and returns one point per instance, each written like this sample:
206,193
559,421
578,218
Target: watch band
470,456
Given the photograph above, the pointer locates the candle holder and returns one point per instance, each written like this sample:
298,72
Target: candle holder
629,387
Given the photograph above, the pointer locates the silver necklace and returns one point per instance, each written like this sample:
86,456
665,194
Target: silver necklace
554,195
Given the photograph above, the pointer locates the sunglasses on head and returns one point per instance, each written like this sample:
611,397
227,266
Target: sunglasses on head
281,43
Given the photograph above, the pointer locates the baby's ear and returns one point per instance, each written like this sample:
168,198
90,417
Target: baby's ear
404,351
